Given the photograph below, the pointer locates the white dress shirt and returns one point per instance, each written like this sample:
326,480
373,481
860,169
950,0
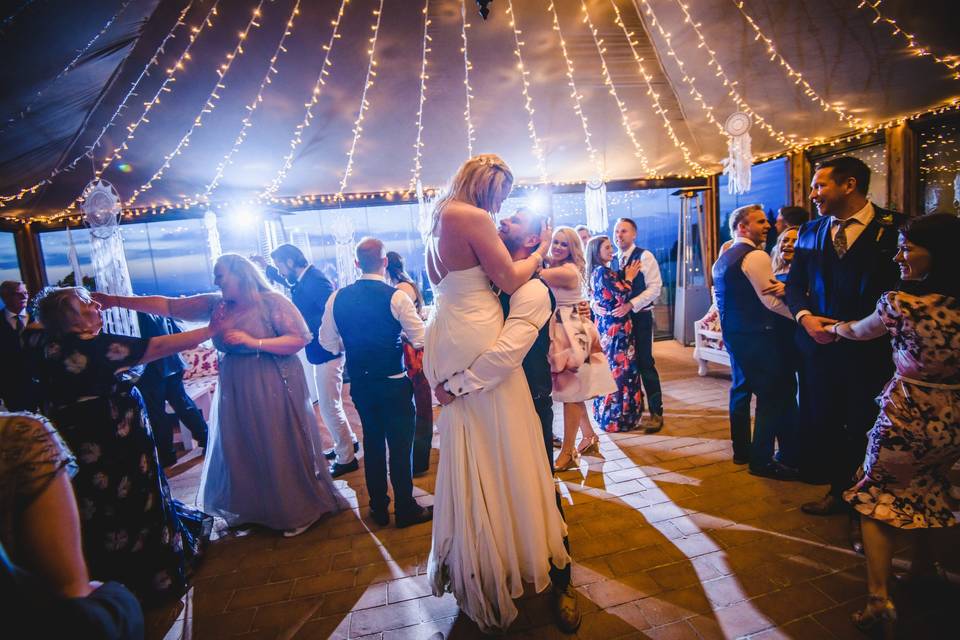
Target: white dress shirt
757,267
645,300
859,222
529,311
401,307
11,318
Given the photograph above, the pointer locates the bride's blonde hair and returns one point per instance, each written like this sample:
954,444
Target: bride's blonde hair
484,181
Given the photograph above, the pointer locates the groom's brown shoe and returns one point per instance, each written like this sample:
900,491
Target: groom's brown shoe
566,610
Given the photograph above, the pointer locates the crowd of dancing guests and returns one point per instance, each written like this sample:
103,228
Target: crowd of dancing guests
855,310
847,336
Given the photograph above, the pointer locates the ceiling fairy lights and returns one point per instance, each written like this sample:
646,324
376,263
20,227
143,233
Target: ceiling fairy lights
424,50
67,69
364,104
89,150
467,67
213,98
536,145
254,104
795,75
658,108
951,62
612,89
712,63
321,82
576,96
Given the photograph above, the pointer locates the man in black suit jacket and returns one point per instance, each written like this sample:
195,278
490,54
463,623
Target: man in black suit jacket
17,388
162,382
310,290
843,262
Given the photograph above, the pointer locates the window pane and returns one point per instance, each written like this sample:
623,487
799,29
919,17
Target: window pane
9,265
769,186
940,168
56,255
168,258
874,156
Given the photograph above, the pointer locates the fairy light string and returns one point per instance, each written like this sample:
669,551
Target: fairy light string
418,145
321,82
612,90
467,67
792,73
252,107
951,61
89,150
658,108
536,145
575,95
209,104
782,137
364,104
67,69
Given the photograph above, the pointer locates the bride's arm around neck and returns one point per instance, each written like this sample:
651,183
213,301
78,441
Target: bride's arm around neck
468,236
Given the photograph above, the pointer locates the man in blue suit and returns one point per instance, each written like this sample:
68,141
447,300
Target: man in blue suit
843,262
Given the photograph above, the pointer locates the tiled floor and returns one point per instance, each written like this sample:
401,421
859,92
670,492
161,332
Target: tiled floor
670,540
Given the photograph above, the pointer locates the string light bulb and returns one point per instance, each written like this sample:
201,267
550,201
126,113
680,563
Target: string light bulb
612,90
536,145
364,104
951,61
424,50
252,106
655,97
209,105
297,138
467,67
576,96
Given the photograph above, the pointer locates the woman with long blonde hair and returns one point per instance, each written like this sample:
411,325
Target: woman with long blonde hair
496,523
580,370
264,462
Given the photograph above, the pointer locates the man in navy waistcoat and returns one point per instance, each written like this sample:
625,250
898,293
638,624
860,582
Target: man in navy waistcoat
747,300
843,262
364,321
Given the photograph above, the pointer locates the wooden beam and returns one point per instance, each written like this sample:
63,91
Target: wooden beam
902,170
31,258
800,174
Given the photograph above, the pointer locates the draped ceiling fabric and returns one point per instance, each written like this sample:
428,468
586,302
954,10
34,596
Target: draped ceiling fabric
840,53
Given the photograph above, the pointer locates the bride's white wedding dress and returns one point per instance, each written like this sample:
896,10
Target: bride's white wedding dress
496,522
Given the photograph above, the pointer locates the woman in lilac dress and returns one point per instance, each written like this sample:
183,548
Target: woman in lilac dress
264,462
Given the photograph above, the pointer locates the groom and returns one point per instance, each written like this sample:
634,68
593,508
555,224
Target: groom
524,341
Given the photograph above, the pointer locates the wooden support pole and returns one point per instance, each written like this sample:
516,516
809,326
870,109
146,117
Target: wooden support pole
902,175
31,258
800,175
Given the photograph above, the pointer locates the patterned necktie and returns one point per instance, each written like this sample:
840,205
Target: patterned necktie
19,325
840,240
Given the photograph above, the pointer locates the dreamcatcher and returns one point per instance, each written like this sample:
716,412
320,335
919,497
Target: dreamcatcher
739,162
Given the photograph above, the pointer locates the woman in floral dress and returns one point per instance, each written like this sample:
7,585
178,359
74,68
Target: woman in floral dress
131,530
904,482
622,409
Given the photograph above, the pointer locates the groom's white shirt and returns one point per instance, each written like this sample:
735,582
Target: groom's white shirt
529,311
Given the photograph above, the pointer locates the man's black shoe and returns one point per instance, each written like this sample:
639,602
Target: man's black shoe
425,514
332,454
337,469
741,460
382,518
775,471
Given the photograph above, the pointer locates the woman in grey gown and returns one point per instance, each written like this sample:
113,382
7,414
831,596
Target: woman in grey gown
264,462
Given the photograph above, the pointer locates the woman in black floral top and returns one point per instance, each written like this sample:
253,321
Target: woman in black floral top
905,479
131,531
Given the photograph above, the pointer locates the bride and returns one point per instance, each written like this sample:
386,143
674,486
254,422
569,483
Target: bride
496,521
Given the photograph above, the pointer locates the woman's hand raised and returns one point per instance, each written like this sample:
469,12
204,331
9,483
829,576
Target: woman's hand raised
631,270
105,300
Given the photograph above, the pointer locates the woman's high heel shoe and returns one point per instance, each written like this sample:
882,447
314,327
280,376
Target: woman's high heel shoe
589,445
567,461
878,618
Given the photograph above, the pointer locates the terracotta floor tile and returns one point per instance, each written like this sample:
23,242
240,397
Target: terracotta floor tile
680,630
385,618
265,594
408,589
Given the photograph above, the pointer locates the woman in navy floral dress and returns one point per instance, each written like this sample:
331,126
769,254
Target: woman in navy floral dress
131,530
905,479
622,409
